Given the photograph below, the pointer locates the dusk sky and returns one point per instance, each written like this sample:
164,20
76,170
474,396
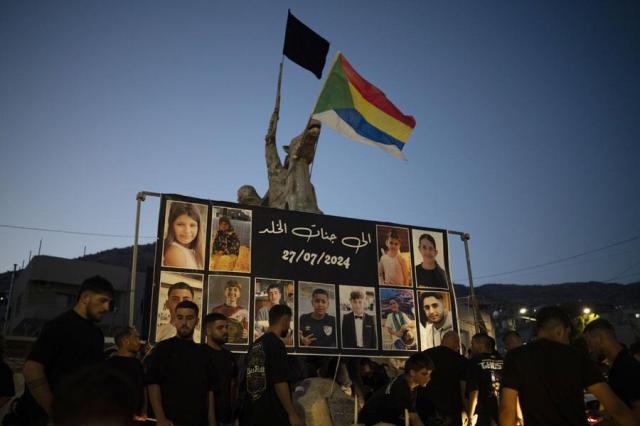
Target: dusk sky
527,135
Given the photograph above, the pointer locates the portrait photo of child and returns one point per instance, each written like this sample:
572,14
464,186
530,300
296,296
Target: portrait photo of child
230,240
398,319
358,317
317,321
394,256
229,296
184,235
429,256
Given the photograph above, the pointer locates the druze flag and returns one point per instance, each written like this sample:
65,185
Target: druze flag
360,111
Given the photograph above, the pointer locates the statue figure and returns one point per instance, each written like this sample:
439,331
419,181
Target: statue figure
290,186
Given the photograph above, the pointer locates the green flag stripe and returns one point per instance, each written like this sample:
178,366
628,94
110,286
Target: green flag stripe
336,93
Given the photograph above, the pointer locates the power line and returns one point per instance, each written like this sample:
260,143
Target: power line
62,231
564,259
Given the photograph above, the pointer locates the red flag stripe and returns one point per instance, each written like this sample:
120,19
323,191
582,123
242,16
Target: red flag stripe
374,95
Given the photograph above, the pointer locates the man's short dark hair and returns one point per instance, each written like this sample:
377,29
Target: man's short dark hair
233,283
98,393
600,324
486,340
552,316
509,335
278,311
121,333
96,284
188,304
417,362
180,286
319,291
356,294
272,286
211,318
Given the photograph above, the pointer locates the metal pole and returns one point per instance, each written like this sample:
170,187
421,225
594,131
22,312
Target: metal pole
6,312
479,324
140,197
40,247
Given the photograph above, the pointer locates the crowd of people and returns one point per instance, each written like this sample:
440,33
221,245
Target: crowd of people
68,381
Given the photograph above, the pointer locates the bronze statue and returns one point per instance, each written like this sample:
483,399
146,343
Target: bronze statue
290,186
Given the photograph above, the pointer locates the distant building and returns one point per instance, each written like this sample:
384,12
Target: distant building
49,285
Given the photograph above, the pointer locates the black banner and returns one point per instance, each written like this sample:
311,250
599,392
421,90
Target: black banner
356,287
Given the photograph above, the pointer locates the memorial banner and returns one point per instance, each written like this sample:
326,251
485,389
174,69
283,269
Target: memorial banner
355,287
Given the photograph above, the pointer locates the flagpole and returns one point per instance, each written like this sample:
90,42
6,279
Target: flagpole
315,104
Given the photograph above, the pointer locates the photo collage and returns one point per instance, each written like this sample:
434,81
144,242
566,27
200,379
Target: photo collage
204,256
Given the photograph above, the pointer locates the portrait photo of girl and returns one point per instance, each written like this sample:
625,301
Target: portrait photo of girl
184,235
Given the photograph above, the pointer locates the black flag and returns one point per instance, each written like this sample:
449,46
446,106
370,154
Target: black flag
304,47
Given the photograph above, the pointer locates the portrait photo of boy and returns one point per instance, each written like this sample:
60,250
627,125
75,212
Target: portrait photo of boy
394,260
429,258
317,322
398,319
229,296
358,317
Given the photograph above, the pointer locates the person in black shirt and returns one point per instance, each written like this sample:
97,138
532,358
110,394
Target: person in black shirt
483,381
624,371
66,344
268,397
442,399
94,395
373,377
126,362
389,404
181,377
548,376
511,340
215,327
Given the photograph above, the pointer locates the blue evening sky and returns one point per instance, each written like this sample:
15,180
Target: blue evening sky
528,121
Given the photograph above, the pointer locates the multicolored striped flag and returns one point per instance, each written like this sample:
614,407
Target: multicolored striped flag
360,111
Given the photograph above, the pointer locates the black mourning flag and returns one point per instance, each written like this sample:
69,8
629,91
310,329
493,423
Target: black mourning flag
304,47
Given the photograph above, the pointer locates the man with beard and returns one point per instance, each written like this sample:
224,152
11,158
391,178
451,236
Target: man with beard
65,345
268,397
624,369
177,293
435,320
181,376
234,312
549,376
226,395
126,361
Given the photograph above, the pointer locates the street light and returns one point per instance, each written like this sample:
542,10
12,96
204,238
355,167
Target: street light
586,311
523,311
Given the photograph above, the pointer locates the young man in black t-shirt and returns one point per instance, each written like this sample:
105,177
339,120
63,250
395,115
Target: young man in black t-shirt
268,397
65,345
7,387
215,327
181,376
483,381
548,376
126,362
390,403
442,400
624,371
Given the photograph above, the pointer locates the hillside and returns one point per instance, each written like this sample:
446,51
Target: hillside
488,294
